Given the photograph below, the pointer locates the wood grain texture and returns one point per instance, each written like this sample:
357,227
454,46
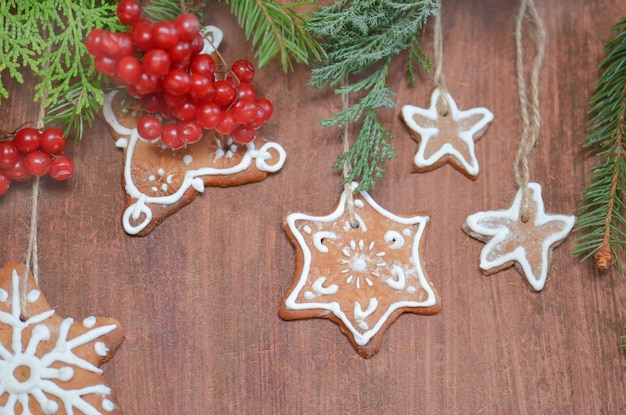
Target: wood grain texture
199,296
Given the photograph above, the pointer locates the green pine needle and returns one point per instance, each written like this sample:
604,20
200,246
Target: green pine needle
277,29
602,208
360,39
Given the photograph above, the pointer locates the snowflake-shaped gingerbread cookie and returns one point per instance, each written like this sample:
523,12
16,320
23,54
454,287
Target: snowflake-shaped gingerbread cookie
362,278
48,364
511,241
446,136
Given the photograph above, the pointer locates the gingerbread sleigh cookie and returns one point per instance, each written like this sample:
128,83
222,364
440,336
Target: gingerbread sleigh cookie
362,278
446,134
48,364
511,241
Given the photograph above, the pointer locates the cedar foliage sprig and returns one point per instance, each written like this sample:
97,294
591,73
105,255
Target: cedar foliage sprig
601,211
46,37
360,39
277,29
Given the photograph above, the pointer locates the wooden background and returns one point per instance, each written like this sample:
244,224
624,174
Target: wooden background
199,296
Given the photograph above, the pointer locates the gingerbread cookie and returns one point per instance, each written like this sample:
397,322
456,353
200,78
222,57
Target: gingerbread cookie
160,181
48,364
362,278
446,134
511,241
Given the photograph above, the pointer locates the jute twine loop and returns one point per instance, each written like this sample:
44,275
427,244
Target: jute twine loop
438,76
345,139
529,108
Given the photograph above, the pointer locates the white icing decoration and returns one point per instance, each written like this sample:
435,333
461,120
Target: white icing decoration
499,234
394,239
41,373
319,288
427,133
121,143
411,290
152,178
359,203
400,281
89,322
215,35
108,405
360,315
101,349
360,334
33,296
309,295
187,159
307,229
319,236
406,232
4,295
192,178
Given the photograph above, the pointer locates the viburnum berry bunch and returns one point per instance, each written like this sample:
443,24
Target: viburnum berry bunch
34,153
180,88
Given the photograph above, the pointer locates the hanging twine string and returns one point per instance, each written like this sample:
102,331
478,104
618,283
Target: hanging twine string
529,109
345,139
31,260
438,76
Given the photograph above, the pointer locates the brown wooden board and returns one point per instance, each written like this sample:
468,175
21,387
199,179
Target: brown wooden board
199,296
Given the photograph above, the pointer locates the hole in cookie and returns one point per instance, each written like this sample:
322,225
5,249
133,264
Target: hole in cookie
354,225
23,318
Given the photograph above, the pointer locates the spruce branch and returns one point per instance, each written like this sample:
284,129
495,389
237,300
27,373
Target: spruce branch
277,29
360,39
601,210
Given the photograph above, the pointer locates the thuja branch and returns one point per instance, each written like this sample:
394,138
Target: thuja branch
360,39
601,211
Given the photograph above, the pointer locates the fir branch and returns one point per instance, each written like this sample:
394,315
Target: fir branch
276,29
362,37
170,9
601,211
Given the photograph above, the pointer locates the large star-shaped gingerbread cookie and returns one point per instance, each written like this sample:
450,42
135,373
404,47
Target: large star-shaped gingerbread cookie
510,241
48,364
361,277
446,136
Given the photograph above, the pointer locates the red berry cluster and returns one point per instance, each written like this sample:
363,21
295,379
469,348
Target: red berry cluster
34,153
162,65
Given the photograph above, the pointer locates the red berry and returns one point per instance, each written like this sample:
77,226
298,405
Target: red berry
106,65
149,127
186,111
62,168
197,44
267,107
243,135
146,84
93,42
189,131
53,141
128,11
188,26
38,163
5,182
129,69
152,102
9,155
156,62
225,93
227,123
124,43
209,115
203,65
244,111
180,52
164,35
141,32
243,70
246,91
201,88
19,171
177,82
27,140
170,137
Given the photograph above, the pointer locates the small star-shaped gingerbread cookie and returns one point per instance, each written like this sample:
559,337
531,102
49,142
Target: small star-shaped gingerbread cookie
362,278
446,136
48,364
510,241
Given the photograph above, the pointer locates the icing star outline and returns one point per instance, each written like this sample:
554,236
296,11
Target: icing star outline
509,241
446,138
361,278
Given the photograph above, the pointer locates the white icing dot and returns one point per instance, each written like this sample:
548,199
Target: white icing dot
233,148
50,407
309,295
65,374
307,229
169,178
406,232
411,290
152,177
33,296
161,171
359,265
187,159
164,187
101,349
359,203
154,189
4,296
41,332
107,405
89,322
